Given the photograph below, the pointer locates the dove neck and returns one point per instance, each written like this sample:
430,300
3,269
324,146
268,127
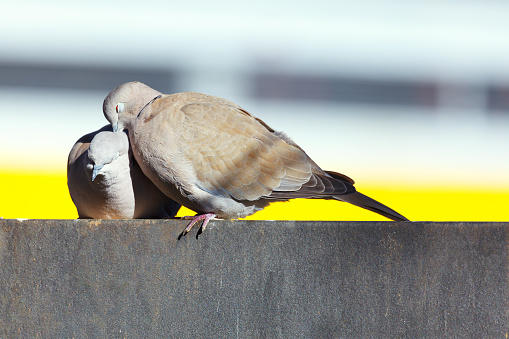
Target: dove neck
148,103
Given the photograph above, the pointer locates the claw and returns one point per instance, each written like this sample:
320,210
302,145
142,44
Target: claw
205,217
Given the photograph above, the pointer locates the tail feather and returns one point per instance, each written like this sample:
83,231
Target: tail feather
361,200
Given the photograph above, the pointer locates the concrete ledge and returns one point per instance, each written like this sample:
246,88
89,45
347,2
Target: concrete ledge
247,279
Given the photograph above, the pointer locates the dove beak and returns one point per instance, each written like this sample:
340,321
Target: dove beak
115,127
96,170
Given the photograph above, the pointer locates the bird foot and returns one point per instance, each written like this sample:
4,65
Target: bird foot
205,217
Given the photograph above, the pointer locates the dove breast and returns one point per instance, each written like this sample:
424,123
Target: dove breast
105,182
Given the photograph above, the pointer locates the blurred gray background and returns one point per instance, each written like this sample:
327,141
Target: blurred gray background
414,92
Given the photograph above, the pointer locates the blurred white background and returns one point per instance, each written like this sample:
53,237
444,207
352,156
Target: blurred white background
415,92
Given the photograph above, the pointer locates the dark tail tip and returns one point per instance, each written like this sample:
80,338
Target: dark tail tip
361,200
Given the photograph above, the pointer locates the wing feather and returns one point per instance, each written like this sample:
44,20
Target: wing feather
237,154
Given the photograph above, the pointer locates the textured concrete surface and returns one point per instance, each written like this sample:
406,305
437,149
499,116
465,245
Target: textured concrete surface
242,279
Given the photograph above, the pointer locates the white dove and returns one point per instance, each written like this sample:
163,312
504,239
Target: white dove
105,182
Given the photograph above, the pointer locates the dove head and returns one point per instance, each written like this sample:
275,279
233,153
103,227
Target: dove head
124,103
105,148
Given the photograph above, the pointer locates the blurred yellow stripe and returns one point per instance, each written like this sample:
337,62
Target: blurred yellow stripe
35,196
45,196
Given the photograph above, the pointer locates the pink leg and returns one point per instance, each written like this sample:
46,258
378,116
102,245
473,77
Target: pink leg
205,217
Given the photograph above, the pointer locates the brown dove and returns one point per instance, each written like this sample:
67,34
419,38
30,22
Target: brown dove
215,158
105,182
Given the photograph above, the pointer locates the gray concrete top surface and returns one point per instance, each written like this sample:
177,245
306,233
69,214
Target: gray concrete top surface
253,279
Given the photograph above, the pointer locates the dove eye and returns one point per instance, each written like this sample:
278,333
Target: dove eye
120,107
